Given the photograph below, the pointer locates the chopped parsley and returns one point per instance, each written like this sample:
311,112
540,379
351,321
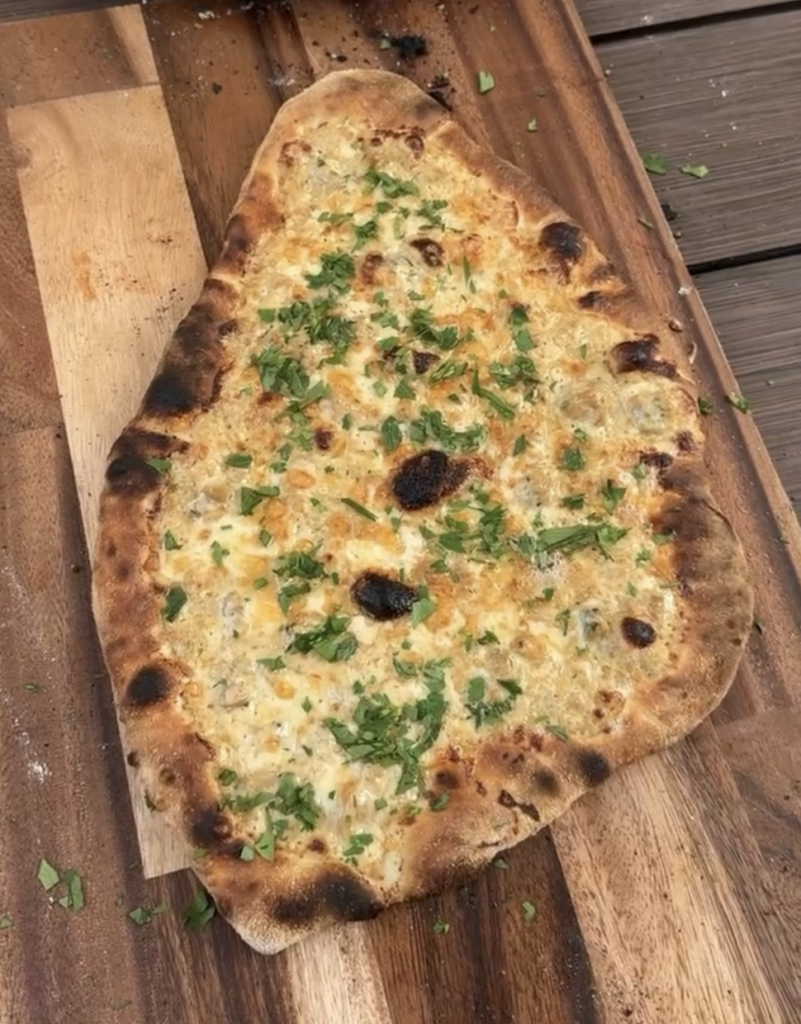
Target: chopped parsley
573,501
421,323
485,82
174,601
640,471
485,711
364,232
504,410
446,370
392,188
430,426
327,217
438,802
337,269
424,607
695,170
227,776
521,335
272,664
144,915
357,844
239,460
740,404
568,539
48,876
520,370
251,497
330,640
404,390
440,927
161,466
654,163
520,445
298,568
429,211
218,552
170,543
265,538
385,734
390,432
529,910
359,509
572,459
200,911
705,407
612,496
284,375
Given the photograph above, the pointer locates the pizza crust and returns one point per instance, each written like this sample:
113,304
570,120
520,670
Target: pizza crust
514,788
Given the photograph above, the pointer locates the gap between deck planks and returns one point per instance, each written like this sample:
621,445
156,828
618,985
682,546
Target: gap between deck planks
749,999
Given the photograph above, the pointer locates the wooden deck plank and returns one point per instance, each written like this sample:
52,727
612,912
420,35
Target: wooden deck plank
726,96
604,16
74,54
757,311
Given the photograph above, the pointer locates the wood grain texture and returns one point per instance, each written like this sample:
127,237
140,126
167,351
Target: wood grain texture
73,54
604,16
28,391
118,276
699,823
220,100
726,96
757,312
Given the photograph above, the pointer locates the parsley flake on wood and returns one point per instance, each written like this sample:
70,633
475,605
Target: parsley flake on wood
740,404
47,875
695,170
5,921
654,163
200,911
532,125
529,910
144,915
485,82
705,407
174,601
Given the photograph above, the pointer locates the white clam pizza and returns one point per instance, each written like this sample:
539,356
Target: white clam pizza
410,542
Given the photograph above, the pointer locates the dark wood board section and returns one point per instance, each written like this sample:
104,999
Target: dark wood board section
757,312
671,892
28,391
738,115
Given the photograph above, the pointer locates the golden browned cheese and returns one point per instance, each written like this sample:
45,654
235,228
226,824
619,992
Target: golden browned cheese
429,558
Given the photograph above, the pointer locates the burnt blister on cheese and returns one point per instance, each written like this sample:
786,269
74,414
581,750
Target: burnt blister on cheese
638,632
381,597
426,478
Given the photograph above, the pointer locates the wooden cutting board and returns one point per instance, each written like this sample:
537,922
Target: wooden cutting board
657,899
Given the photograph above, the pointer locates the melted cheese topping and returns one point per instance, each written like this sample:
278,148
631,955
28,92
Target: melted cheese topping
511,626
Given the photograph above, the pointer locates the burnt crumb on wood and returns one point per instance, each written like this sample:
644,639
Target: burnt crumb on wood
408,46
438,89
216,88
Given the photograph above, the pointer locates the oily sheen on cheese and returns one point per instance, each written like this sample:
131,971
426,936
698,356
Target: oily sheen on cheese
541,594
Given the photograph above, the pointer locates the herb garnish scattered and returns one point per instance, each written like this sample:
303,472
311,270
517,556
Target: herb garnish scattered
251,497
330,640
390,432
170,543
740,404
200,911
392,188
431,426
239,460
483,710
161,466
705,407
504,410
695,170
359,509
218,552
572,459
357,844
174,601
337,269
654,163
485,82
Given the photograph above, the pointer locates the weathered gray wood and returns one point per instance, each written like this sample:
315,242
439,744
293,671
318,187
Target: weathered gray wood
757,313
727,96
603,16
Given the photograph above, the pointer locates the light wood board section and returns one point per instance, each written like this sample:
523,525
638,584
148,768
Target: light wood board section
115,279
